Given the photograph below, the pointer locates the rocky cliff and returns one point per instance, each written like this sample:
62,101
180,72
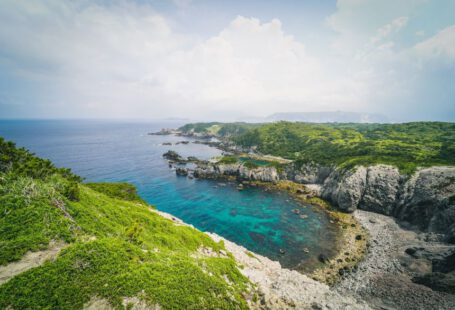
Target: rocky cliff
238,170
425,200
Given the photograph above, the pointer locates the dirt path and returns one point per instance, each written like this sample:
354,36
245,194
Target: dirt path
30,260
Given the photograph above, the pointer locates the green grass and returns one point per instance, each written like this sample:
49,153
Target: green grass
29,219
117,247
228,160
111,268
250,163
122,191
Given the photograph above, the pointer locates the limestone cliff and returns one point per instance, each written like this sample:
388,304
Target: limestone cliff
425,199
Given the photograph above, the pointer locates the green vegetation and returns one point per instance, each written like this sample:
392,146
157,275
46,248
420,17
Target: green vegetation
406,146
218,129
122,191
249,162
20,162
228,160
117,246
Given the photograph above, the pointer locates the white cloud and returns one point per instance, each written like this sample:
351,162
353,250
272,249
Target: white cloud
392,27
126,60
441,45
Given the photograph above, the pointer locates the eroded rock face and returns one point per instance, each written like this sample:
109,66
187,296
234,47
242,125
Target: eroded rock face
428,200
265,174
308,174
382,186
345,188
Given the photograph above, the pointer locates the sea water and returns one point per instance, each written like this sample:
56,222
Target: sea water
122,151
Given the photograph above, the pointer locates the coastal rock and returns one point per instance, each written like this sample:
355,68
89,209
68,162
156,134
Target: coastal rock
181,171
425,199
381,189
215,170
310,173
281,288
174,156
428,201
264,174
438,281
345,188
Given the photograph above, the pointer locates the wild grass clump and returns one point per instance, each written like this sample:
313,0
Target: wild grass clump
228,160
122,191
29,218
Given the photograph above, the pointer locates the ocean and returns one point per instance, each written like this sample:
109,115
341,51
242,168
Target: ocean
122,151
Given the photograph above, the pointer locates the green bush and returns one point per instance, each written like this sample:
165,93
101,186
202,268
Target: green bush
228,160
122,191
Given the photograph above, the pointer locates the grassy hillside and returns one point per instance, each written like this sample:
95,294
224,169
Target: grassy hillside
117,247
406,145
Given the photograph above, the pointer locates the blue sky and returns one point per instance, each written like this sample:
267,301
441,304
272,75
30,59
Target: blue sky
226,60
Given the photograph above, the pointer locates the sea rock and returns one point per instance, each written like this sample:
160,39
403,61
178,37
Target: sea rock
181,171
192,159
174,156
425,199
323,258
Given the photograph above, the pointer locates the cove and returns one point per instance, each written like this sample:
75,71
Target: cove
120,151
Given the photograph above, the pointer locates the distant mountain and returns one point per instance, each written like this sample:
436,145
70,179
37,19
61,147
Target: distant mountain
329,117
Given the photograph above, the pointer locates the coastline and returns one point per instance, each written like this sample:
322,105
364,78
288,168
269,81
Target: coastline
378,270
379,280
351,244
278,287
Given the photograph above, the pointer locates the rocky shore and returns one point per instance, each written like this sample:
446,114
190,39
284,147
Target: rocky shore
425,199
277,287
386,278
382,280
410,265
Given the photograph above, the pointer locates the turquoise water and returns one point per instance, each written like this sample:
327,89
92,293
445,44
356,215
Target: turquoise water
261,221
257,162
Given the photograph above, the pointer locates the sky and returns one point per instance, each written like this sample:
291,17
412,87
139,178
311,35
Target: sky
226,60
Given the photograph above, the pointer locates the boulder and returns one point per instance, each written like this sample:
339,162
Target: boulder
438,281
